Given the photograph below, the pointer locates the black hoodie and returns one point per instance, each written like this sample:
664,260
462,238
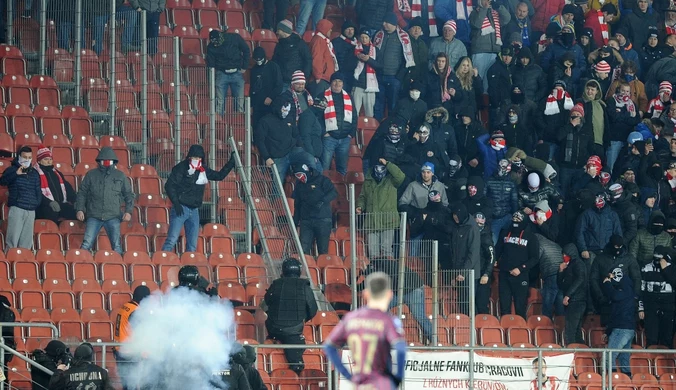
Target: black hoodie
275,137
479,202
313,199
517,247
531,78
517,134
182,187
637,23
465,242
573,281
605,263
292,54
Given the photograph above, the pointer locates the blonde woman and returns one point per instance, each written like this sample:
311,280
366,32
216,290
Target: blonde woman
466,88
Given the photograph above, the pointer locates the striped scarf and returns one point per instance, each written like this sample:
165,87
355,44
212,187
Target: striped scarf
487,28
416,10
463,9
296,103
371,79
330,115
604,27
44,184
552,105
405,41
331,51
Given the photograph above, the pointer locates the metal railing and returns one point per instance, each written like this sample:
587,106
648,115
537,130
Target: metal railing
55,334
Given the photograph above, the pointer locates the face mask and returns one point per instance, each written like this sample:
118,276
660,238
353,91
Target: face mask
518,98
301,176
285,110
394,138
600,202
25,162
568,39
195,162
504,169
453,168
106,163
616,251
513,118
629,77
260,62
415,95
379,172
655,228
424,135
437,119
471,190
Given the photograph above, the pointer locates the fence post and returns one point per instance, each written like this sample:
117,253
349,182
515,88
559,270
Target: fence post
112,101
472,310
43,34
610,368
10,22
539,374
177,101
78,52
435,292
212,138
604,367
144,89
248,135
353,244
402,264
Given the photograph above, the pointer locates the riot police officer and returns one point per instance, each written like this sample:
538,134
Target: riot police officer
83,374
290,303
234,377
189,276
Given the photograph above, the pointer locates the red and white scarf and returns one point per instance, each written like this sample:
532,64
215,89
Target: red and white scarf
443,80
330,110
487,28
624,101
657,107
44,184
669,29
544,215
202,178
371,79
416,10
294,94
552,105
331,51
405,43
672,182
352,41
604,27
463,9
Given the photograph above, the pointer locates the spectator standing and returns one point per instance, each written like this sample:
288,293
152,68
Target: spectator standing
556,113
426,147
365,80
572,284
458,11
564,48
465,253
229,55
516,253
437,118
652,51
500,81
55,353
637,88
598,20
521,25
649,238
340,124
638,23
447,44
487,32
418,72
439,83
58,195
371,13
291,53
491,150
7,315
627,210
378,199
596,118
594,228
468,131
102,193
528,118
343,47
466,87
408,11
314,8
324,60
412,109
397,55
154,9
266,84
575,144
476,200
185,188
312,199
483,288
502,191
549,259
656,307
617,288
529,76
662,102
274,11
623,117
25,196
627,49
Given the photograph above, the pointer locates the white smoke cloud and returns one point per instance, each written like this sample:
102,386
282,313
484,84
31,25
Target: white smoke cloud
181,338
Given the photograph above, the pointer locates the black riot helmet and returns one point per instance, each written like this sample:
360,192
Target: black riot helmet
188,276
291,268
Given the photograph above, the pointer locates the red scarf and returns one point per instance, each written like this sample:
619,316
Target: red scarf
487,28
352,41
604,27
443,79
331,50
294,94
44,184
330,110
371,79
672,182
552,105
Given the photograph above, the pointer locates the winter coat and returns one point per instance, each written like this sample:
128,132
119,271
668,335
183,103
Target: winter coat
642,247
594,228
275,137
103,191
229,52
416,194
266,82
79,375
446,10
454,49
629,214
605,263
376,64
638,94
582,146
41,379
413,112
311,133
530,117
517,247
546,192
467,140
434,224
371,13
486,43
637,23
466,98
517,134
345,54
479,202
379,200
573,281
345,128
556,51
549,255
24,190
662,70
650,55
544,9
499,82
433,86
531,79
621,123
466,246
623,304
322,60
312,200
589,107
489,156
487,253
292,54
442,130
434,151
418,72
503,193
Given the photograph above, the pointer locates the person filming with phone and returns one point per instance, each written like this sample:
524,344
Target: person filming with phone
25,196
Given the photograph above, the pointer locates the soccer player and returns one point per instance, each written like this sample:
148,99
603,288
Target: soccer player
370,332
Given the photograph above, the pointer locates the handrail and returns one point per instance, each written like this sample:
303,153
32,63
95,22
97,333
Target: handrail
26,359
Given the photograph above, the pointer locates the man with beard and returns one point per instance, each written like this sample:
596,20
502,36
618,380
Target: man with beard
58,195
266,84
572,282
614,256
626,209
516,252
465,253
483,287
476,200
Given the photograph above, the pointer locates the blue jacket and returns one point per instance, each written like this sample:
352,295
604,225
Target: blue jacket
556,50
623,304
446,10
24,190
594,228
504,194
489,156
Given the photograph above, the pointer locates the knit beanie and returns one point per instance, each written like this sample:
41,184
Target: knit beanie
452,25
286,26
298,77
602,67
578,108
44,152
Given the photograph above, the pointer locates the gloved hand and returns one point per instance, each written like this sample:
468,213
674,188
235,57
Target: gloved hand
55,206
178,210
231,162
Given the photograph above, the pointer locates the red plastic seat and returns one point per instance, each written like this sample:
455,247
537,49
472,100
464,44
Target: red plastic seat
12,61
61,65
18,89
47,92
189,39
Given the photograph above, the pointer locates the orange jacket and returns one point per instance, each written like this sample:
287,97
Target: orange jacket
322,60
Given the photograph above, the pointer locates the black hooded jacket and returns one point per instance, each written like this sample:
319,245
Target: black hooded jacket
442,129
499,82
573,281
531,78
479,202
266,82
517,247
291,303
465,242
637,23
228,52
313,199
275,137
292,54
467,135
630,215
81,375
605,263
182,187
52,354
517,134
247,360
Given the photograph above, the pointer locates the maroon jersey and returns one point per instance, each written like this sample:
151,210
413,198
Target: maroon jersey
370,335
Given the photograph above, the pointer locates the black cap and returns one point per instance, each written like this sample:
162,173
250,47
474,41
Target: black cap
417,21
622,31
417,85
364,31
652,32
553,29
568,9
337,76
507,50
616,240
347,24
259,53
588,32
213,34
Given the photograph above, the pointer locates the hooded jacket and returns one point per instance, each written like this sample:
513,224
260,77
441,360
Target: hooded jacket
531,78
556,70
643,246
629,214
502,191
247,360
312,200
24,190
81,374
104,189
596,121
266,82
489,156
573,281
499,81
411,111
275,137
664,68
657,284
467,140
557,52
465,242
228,52
517,247
623,304
545,191
637,23
432,150
182,188
621,122
605,263
322,60
594,228
292,54
345,51
479,202
486,43
379,199
442,129
517,134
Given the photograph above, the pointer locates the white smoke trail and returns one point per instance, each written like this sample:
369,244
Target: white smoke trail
180,339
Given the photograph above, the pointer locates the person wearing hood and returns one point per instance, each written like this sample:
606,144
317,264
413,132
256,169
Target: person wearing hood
378,202
102,193
630,156
365,81
623,117
528,111
572,281
247,359
586,41
499,77
7,315
529,76
594,228
516,252
412,108
491,150
228,54
548,259
628,211
81,373
25,196
447,44
56,353
437,119
648,205
266,84
545,220
487,258
576,145
185,188
652,178
637,23
344,46
515,130
456,179
501,190
476,200
626,49
232,376
648,238
601,73
566,68
614,257
291,53
535,189
58,195
312,212
324,60
465,253
427,147
628,74
434,224
391,145
595,116
565,48
652,51
656,307
439,83
418,72
468,131
122,331
620,329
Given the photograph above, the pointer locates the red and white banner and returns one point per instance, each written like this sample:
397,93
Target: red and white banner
450,370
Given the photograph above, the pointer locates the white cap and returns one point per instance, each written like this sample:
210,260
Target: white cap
533,180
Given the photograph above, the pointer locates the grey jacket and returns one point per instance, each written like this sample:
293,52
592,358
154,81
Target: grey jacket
486,43
149,5
417,194
104,190
454,50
